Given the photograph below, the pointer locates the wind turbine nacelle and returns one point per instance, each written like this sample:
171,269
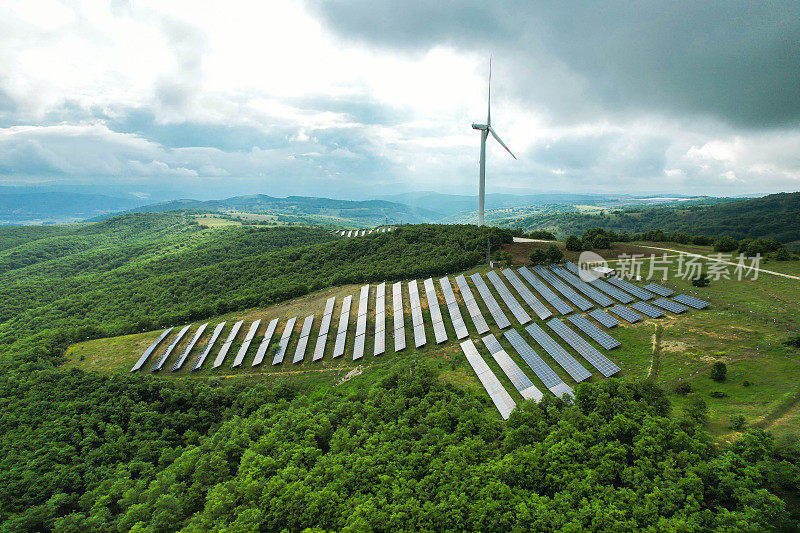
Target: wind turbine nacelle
480,127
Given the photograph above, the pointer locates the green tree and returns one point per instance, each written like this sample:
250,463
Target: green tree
701,281
503,256
726,244
697,410
554,254
538,256
573,244
737,422
602,242
719,371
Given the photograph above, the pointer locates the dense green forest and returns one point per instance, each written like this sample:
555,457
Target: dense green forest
776,216
405,451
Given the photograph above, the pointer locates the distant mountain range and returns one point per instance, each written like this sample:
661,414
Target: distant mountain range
322,210
58,207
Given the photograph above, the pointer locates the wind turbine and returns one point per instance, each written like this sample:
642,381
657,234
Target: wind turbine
486,129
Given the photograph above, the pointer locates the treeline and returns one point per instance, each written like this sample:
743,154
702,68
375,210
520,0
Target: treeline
406,454
776,216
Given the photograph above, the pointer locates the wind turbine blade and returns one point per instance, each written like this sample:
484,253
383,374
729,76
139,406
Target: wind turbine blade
489,107
496,138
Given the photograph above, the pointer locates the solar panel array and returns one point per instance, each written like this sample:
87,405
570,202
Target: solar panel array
341,333
302,342
197,334
561,356
502,400
511,302
587,351
207,348
399,319
379,345
659,289
598,335
452,307
647,309
262,348
284,342
582,286
601,285
436,313
538,307
169,348
361,323
690,301
416,314
582,303
150,350
631,288
472,306
550,379
227,344
491,304
604,318
237,361
625,313
518,378
324,328
540,287
669,305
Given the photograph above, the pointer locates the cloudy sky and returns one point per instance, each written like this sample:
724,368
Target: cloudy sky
363,98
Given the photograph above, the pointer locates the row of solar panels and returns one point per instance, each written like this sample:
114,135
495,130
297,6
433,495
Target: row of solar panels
440,333
549,378
361,232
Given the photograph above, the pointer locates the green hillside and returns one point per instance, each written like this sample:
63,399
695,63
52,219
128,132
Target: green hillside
776,216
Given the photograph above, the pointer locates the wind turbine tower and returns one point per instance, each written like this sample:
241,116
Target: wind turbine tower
486,129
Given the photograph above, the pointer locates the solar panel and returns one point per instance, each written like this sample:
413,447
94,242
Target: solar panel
550,379
168,350
626,314
582,303
207,348
416,314
511,302
284,342
419,336
604,318
185,354
358,347
561,356
538,307
627,286
380,307
150,350
598,335
237,361
262,348
587,351
300,350
324,328
659,289
363,300
491,304
380,342
341,334
452,309
601,285
472,306
647,309
413,294
399,320
669,305
518,378
502,400
540,287
690,301
227,344
582,286
436,313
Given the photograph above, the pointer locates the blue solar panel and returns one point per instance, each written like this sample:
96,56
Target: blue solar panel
550,379
601,337
589,352
150,350
491,304
581,285
690,301
669,305
647,309
538,307
604,318
582,303
659,289
562,357
631,288
511,302
540,287
472,306
518,378
601,285
625,313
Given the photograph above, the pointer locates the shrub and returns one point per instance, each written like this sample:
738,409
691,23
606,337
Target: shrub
718,371
794,341
683,388
554,254
717,394
782,255
702,240
538,256
541,234
602,242
503,257
701,281
737,422
726,244
698,411
573,244
745,383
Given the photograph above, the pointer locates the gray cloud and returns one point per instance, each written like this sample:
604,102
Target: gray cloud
736,61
